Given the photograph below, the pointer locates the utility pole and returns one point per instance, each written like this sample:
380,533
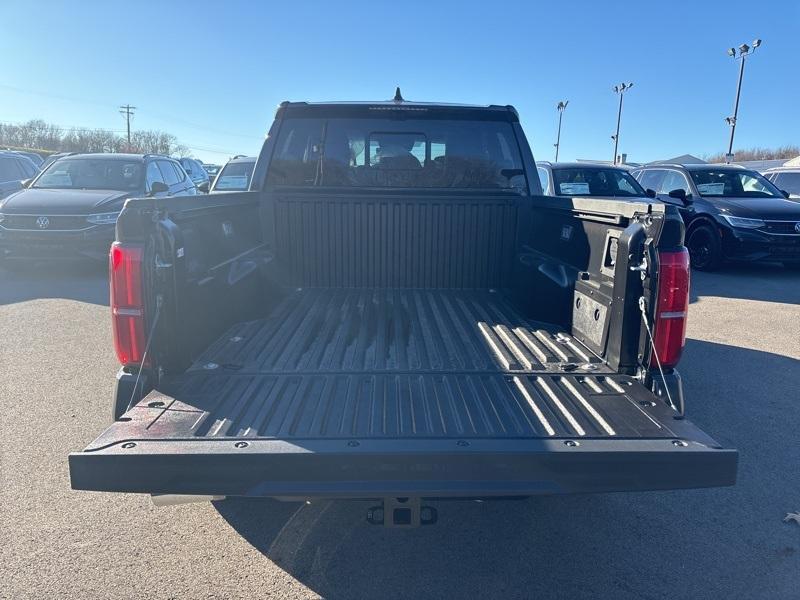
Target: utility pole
127,112
560,108
744,51
619,89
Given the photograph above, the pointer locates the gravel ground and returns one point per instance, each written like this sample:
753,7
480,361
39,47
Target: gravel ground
741,370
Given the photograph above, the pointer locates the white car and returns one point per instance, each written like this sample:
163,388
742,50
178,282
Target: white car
786,179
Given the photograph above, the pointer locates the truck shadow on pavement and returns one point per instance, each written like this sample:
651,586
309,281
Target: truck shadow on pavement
83,282
763,282
695,543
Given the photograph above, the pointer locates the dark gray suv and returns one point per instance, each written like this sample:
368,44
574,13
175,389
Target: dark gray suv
70,210
731,213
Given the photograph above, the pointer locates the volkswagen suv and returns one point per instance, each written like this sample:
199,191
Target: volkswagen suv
731,213
71,208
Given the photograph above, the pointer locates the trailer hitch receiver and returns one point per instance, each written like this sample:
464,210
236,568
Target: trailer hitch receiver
402,513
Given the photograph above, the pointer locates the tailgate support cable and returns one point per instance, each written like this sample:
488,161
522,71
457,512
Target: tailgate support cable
643,310
146,349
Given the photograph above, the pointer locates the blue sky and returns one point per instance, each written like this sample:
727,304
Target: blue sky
212,73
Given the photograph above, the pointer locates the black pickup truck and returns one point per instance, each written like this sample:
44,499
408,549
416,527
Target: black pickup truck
394,310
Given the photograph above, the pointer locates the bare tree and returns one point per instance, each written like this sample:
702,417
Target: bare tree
37,134
786,152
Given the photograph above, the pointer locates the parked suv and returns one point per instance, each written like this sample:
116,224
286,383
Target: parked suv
730,213
14,169
786,179
71,208
32,156
196,172
587,179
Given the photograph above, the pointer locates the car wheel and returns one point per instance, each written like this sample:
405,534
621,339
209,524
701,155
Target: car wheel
705,248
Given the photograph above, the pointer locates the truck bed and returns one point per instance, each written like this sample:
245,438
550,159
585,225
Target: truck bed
400,363
344,363
372,393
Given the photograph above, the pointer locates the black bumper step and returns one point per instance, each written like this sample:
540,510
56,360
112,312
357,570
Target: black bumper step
380,468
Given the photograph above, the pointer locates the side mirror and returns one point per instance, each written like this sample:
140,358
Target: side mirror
785,194
680,194
203,187
650,193
158,187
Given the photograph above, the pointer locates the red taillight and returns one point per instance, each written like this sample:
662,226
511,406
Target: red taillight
671,307
127,307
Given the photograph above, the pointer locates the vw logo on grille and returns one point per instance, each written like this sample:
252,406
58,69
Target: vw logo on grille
43,222
797,227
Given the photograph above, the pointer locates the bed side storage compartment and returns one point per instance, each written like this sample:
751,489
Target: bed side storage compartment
591,311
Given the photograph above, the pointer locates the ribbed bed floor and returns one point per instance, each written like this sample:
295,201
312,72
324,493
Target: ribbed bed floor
333,363
345,330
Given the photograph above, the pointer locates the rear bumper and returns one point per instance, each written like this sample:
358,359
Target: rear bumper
379,468
92,242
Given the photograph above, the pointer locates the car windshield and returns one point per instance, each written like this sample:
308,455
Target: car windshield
398,153
580,181
235,176
93,174
733,184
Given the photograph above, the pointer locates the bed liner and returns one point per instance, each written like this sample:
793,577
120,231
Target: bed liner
399,363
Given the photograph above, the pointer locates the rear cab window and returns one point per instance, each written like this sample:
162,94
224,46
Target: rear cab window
401,151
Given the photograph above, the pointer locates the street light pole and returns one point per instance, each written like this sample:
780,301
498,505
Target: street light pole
561,106
744,51
619,89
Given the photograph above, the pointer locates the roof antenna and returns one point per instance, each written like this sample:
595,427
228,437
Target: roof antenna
398,97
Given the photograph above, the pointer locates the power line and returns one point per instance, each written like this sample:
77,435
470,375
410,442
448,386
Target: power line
127,112
51,95
194,125
158,115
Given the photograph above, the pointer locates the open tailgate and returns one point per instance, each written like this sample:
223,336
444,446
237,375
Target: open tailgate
379,435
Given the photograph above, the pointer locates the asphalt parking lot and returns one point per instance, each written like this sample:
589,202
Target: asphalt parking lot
741,370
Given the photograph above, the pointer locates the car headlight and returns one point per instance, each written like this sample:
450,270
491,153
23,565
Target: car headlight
103,218
743,222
